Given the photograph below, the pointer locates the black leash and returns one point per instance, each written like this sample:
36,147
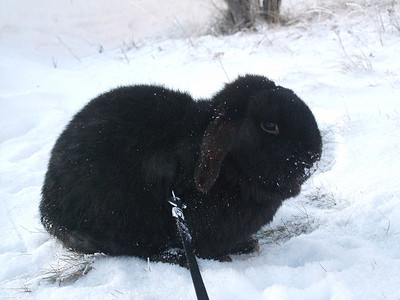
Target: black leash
177,213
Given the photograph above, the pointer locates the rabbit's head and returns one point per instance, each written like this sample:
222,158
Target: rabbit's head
263,134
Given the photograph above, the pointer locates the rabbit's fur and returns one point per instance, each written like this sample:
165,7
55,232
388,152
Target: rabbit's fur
232,159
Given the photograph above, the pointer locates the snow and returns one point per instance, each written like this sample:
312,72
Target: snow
339,239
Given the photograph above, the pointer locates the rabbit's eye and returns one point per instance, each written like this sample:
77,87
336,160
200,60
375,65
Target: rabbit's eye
270,127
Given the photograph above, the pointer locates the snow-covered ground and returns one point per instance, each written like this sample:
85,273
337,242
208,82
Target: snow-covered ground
340,239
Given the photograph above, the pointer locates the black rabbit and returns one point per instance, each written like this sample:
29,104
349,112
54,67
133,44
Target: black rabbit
232,159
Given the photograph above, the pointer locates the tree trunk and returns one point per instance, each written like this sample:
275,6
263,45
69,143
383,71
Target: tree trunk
271,10
240,11
243,13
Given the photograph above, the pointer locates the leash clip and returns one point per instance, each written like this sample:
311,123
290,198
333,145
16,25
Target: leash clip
177,204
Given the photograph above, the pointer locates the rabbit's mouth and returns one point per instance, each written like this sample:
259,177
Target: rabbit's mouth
289,184
285,186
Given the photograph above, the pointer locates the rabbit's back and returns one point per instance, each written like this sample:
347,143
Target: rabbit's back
112,168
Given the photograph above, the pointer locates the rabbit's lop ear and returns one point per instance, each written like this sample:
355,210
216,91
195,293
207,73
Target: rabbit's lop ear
217,141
